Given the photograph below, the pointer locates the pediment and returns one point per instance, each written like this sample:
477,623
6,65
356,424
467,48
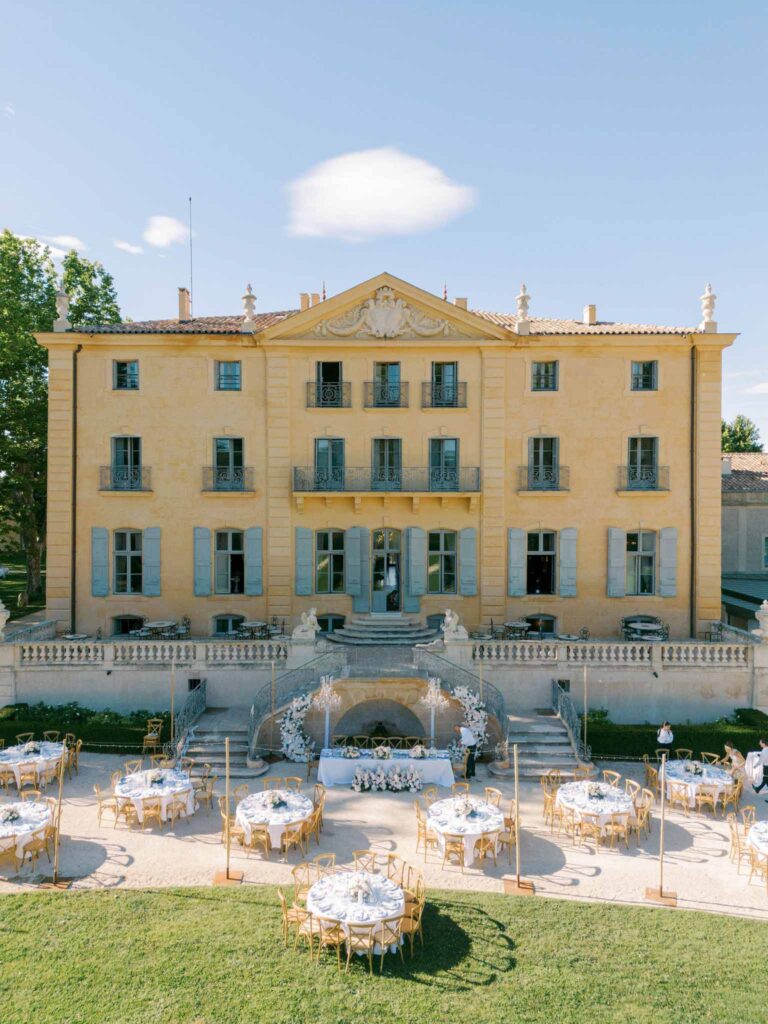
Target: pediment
384,309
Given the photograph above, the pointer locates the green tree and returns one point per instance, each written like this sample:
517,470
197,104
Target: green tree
91,291
740,435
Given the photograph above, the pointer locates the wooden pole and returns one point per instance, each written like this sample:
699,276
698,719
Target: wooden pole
586,703
227,877
173,689
227,819
274,701
520,886
669,899
58,817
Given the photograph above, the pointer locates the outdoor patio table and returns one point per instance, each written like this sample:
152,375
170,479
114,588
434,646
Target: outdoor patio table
256,809
171,783
598,798
160,626
685,772
45,755
757,837
30,822
449,816
334,897
644,627
337,770
75,636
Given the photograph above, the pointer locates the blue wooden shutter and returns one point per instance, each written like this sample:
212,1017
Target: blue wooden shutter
617,562
99,561
304,561
150,563
352,584
468,561
415,568
254,568
516,562
568,561
202,545
668,561
362,602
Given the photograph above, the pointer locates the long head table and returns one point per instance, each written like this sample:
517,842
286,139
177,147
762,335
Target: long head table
336,770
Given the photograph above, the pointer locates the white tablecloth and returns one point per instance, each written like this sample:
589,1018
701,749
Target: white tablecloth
49,754
444,816
711,776
335,770
574,796
255,810
33,817
137,788
329,897
758,837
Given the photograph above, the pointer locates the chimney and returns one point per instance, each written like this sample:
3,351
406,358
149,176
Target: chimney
303,301
460,302
315,298
590,315
184,305
727,465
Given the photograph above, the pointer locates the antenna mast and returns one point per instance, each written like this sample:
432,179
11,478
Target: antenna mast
191,291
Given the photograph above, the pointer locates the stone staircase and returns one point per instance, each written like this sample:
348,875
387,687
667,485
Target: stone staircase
542,743
383,629
206,743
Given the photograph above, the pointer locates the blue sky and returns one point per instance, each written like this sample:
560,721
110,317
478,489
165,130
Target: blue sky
602,152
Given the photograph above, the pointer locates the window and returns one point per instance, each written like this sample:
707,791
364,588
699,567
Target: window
543,468
445,384
541,626
540,568
443,464
125,471
386,384
128,562
329,562
330,623
329,464
645,376
228,376
641,562
386,468
441,562
123,625
329,384
125,375
230,562
642,467
226,625
228,472
544,377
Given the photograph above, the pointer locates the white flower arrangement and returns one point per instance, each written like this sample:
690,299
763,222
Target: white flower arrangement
9,815
397,780
295,742
463,807
419,750
155,777
275,799
475,718
595,791
352,753
382,752
694,768
32,747
360,889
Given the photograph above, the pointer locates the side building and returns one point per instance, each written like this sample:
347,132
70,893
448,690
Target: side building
745,537
382,451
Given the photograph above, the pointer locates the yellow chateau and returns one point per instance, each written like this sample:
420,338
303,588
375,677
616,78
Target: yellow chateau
384,450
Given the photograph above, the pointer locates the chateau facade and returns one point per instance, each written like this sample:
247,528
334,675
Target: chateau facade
384,450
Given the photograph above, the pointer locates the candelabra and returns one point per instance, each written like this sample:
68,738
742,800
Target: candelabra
435,700
326,698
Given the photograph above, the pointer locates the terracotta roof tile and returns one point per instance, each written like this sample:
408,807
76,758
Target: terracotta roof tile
749,472
198,325
542,325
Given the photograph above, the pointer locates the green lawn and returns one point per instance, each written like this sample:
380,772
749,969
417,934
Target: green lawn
13,584
213,956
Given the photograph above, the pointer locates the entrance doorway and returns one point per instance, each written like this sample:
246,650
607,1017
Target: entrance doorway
385,576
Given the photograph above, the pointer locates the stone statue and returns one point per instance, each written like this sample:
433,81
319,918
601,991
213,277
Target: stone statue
523,302
4,616
309,626
452,631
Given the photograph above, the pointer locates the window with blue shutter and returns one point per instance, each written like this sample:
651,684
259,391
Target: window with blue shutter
516,562
617,562
254,569
668,561
468,561
99,561
568,561
303,561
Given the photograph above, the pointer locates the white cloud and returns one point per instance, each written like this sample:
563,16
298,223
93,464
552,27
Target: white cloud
163,232
374,192
9,110
758,389
64,242
134,250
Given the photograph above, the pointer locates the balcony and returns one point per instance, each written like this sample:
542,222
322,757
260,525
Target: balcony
443,396
385,396
328,396
544,478
643,478
125,478
228,478
413,483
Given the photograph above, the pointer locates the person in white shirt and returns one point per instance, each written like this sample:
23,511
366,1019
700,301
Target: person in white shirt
764,763
665,737
469,741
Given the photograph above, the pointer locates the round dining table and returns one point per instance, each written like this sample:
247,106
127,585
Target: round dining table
22,821
449,816
170,783
684,772
598,798
42,754
333,897
757,837
257,809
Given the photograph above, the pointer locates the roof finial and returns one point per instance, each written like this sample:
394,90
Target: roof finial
708,299
61,323
248,326
523,325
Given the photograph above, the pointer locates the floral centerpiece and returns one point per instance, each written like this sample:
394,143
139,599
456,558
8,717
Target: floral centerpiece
360,889
155,777
351,752
397,780
419,750
694,768
595,791
382,752
32,747
296,745
275,800
8,815
401,779
464,807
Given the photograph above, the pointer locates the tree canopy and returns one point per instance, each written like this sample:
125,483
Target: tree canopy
741,435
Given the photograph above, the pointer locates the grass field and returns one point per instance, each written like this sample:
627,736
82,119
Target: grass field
12,585
213,956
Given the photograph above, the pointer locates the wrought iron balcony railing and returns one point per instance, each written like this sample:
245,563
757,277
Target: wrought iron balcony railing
643,478
423,479
444,396
125,478
227,478
544,478
389,396
325,396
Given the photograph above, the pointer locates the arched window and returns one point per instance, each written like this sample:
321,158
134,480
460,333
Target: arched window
541,626
441,562
226,625
329,562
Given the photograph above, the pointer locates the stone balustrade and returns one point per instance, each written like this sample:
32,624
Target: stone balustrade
627,653
129,653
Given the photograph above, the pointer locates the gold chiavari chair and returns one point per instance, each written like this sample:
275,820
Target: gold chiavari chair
653,779
617,828
236,834
51,735
305,875
177,809
206,794
50,836
27,775
642,822
679,796
397,869
312,826
361,940
273,783
731,795
709,758
187,764
133,766
429,794
158,761
747,815
69,739
330,936
411,923
425,836
24,737
582,772
493,796
369,860
588,827
389,937
293,782
294,836
706,796
459,788
554,777
48,774
105,802
758,865
152,810
326,863
292,916
126,811
32,849
485,846
453,849
737,852
259,840
683,754
30,795
611,777
152,738
7,778
632,788
660,752
114,778
240,792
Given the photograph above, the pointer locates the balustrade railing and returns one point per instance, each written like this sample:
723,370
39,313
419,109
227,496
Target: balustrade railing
718,655
190,711
380,395
246,652
544,478
45,630
363,479
643,478
563,707
618,653
152,652
125,478
227,478
331,394
444,396
60,653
